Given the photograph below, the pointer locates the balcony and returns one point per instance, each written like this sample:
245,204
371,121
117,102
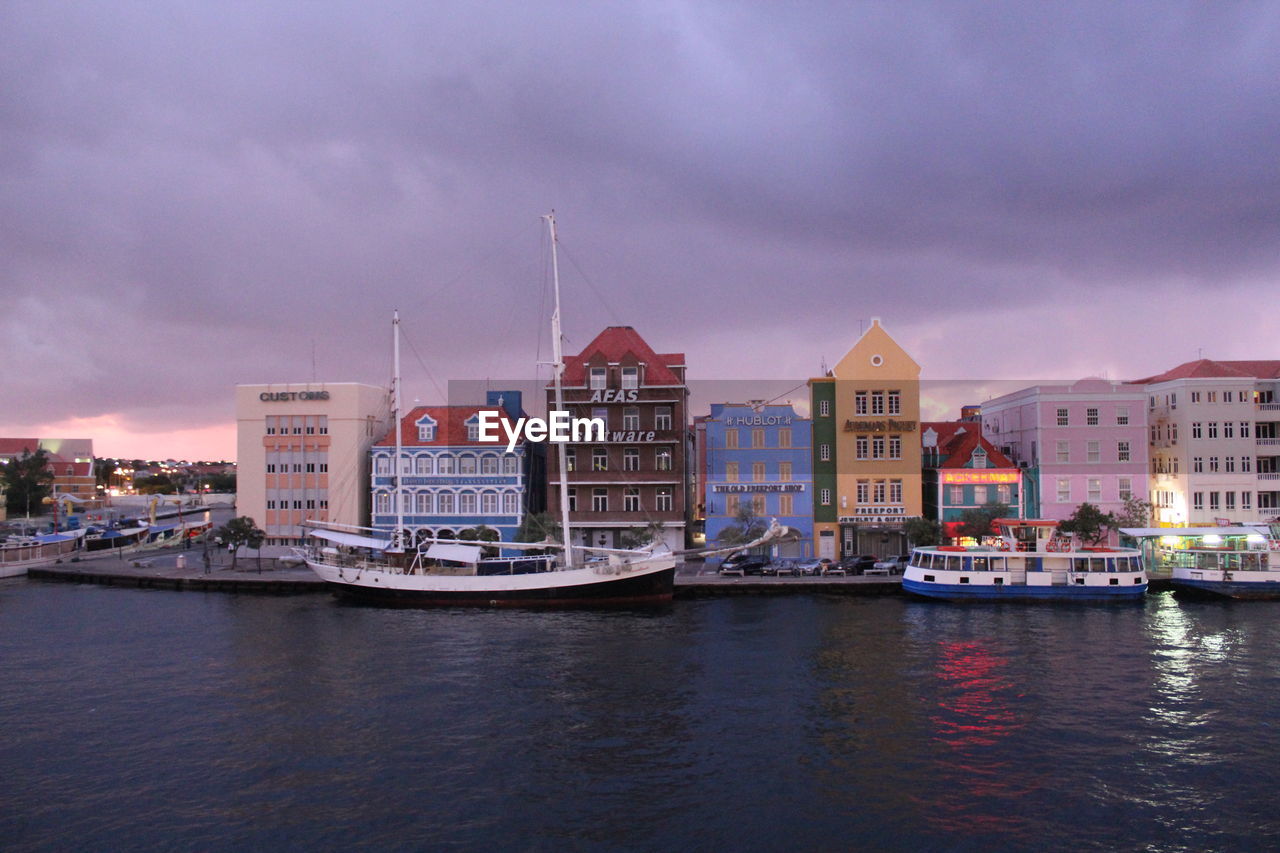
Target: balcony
1267,475
1269,407
1269,442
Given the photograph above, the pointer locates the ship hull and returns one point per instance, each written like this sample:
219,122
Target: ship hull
962,592
582,588
1211,585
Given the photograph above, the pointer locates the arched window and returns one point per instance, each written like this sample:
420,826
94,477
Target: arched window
467,503
489,503
422,465
466,464
382,503
445,503
489,464
423,503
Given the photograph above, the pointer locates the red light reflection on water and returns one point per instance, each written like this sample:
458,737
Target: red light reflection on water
972,710
974,790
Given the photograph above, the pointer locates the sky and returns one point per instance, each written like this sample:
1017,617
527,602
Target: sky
195,195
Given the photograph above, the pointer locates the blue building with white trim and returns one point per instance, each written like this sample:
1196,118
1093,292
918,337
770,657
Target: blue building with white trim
452,481
761,455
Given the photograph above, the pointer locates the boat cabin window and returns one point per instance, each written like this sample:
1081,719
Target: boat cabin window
1097,564
953,563
980,564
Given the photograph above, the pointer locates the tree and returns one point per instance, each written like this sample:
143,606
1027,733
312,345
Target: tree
241,530
746,527
27,481
1136,513
539,527
639,537
481,533
1089,523
976,523
922,531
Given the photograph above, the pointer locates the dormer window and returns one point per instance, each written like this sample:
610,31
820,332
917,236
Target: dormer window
979,458
631,377
473,428
599,376
426,428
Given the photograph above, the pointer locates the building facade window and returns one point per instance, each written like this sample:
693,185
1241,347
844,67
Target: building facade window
824,452
824,497
663,499
1064,417
1122,451
631,418
824,408
731,439
1064,451
600,500
1125,488
662,459
631,459
599,459
786,504
1091,417
895,402
731,472
1064,489
1095,489
1094,451
599,376
757,438
662,417
757,472
631,499
630,377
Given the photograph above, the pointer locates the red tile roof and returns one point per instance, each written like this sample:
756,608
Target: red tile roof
451,428
623,345
1205,368
958,439
15,446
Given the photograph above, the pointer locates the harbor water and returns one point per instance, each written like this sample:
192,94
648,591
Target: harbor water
146,719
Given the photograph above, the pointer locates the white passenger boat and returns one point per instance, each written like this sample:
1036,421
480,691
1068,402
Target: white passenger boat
1033,562
1218,562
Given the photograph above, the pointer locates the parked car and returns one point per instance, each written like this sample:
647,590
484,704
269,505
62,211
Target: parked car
782,567
894,565
745,564
858,564
809,567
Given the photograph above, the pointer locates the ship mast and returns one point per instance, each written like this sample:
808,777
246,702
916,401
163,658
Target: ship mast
396,544
557,368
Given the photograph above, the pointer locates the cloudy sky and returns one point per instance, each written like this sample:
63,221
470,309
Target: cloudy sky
200,194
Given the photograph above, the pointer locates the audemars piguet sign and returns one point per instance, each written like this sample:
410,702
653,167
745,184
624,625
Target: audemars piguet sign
287,396
879,426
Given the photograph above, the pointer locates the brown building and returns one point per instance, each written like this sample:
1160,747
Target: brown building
639,474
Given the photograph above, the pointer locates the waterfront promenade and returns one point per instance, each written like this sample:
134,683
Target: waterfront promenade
161,570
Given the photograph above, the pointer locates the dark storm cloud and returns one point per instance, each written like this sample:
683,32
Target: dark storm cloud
216,190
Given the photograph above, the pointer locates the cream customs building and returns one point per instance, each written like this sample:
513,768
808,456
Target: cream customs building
302,452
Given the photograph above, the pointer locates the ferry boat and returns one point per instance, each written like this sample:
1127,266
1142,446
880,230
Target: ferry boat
19,553
1033,562
1218,562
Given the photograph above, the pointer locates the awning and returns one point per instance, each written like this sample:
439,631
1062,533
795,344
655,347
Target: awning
352,540
454,553
65,536
1141,532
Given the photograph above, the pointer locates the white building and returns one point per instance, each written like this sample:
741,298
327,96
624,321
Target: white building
1215,442
302,452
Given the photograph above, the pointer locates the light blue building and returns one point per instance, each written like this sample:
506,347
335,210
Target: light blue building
453,482
760,456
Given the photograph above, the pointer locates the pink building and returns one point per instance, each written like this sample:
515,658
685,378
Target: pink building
1079,443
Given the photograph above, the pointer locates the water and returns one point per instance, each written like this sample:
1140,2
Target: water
137,719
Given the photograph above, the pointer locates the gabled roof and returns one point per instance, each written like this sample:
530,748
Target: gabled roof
1205,368
958,439
623,345
451,428
15,446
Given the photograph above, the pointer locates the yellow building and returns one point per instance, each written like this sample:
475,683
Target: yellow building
866,463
